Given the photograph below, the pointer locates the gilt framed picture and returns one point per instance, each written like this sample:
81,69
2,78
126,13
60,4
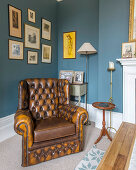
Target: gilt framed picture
32,57
15,22
32,37
16,50
69,45
31,15
46,29
46,53
129,50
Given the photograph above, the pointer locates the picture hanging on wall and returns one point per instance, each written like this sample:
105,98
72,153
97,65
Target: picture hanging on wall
32,57
15,22
32,37
46,53
78,77
46,29
128,50
15,50
69,45
31,15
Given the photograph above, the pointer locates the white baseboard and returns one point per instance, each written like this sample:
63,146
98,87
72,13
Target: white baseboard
95,115
6,127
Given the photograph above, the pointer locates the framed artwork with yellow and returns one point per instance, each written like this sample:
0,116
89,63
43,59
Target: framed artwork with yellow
69,45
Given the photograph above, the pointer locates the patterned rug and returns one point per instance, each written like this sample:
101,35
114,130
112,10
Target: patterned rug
91,159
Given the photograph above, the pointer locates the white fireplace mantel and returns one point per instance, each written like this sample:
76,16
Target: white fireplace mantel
128,61
129,89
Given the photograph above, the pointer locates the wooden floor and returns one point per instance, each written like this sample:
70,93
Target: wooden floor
118,155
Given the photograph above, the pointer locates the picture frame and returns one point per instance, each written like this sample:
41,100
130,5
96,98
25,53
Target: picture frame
31,15
69,45
32,57
128,50
32,37
16,50
67,74
78,77
46,29
132,21
46,53
15,22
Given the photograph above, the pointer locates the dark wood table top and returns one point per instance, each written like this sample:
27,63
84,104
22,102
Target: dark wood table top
104,105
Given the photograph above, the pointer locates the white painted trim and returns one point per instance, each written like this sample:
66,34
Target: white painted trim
96,116
6,127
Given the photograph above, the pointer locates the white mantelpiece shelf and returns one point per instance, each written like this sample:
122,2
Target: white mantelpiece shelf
127,62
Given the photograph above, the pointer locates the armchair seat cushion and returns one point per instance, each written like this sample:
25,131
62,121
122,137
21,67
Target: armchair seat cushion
53,128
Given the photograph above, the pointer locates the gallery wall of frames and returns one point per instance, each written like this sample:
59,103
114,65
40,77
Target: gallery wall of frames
32,37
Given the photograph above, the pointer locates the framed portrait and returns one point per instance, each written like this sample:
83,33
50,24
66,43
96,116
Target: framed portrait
32,37
32,57
132,21
69,45
67,74
46,29
15,22
16,50
78,77
46,53
128,50
31,15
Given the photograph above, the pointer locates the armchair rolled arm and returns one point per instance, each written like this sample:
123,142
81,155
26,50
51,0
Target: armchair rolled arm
23,125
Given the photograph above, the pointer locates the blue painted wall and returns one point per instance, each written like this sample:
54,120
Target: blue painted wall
104,23
12,71
81,16
113,30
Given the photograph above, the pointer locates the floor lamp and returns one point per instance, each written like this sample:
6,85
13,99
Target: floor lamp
87,49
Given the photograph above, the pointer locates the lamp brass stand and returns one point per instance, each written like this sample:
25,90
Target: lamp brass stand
111,99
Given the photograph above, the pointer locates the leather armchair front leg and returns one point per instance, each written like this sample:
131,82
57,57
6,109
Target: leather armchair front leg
77,115
23,125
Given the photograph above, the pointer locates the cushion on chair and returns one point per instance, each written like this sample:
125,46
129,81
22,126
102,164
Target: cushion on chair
52,128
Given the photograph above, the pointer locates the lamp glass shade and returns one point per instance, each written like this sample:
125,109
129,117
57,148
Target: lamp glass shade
87,48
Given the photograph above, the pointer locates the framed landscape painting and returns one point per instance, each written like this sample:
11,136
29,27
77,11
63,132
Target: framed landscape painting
46,29
69,45
32,37
15,22
32,57
46,53
16,50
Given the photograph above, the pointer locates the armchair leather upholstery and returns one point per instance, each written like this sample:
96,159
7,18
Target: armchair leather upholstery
49,125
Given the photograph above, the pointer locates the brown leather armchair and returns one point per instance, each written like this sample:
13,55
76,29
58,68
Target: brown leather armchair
49,126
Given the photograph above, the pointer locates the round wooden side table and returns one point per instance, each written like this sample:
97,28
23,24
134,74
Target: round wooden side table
103,106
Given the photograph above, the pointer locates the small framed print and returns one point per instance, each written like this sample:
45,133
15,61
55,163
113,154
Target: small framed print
46,29
46,53
78,77
32,37
129,50
16,50
32,57
31,15
67,74
15,22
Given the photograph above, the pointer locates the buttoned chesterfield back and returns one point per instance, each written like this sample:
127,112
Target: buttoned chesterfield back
49,125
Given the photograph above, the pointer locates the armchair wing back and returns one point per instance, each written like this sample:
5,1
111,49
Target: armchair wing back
49,125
